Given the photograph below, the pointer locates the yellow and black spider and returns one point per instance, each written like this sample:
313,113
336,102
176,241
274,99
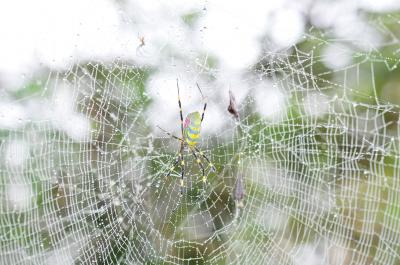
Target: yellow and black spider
190,136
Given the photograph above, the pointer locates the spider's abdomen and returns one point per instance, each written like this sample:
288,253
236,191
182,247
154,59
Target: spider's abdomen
191,128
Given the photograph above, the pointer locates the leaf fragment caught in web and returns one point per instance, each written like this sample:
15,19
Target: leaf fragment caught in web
239,191
232,108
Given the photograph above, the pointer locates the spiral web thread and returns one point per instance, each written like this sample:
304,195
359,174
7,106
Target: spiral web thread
327,184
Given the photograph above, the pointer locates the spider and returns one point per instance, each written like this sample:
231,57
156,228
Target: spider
190,136
141,41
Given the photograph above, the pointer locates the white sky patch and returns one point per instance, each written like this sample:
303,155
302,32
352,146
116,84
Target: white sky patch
316,104
233,29
19,196
61,257
380,6
79,30
62,102
12,115
347,23
17,40
270,101
353,28
62,114
308,254
337,55
16,153
77,127
287,27
39,109
325,14
57,33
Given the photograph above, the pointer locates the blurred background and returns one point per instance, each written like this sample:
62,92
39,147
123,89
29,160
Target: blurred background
307,173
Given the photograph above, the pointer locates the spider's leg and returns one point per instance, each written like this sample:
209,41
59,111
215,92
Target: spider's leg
182,168
206,158
180,107
205,103
203,178
180,158
170,134
174,165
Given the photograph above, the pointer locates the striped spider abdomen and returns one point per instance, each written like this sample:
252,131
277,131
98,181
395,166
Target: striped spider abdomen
191,128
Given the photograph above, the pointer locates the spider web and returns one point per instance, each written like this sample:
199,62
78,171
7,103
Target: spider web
83,178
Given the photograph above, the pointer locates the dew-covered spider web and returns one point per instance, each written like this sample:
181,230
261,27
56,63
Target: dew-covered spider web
308,173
